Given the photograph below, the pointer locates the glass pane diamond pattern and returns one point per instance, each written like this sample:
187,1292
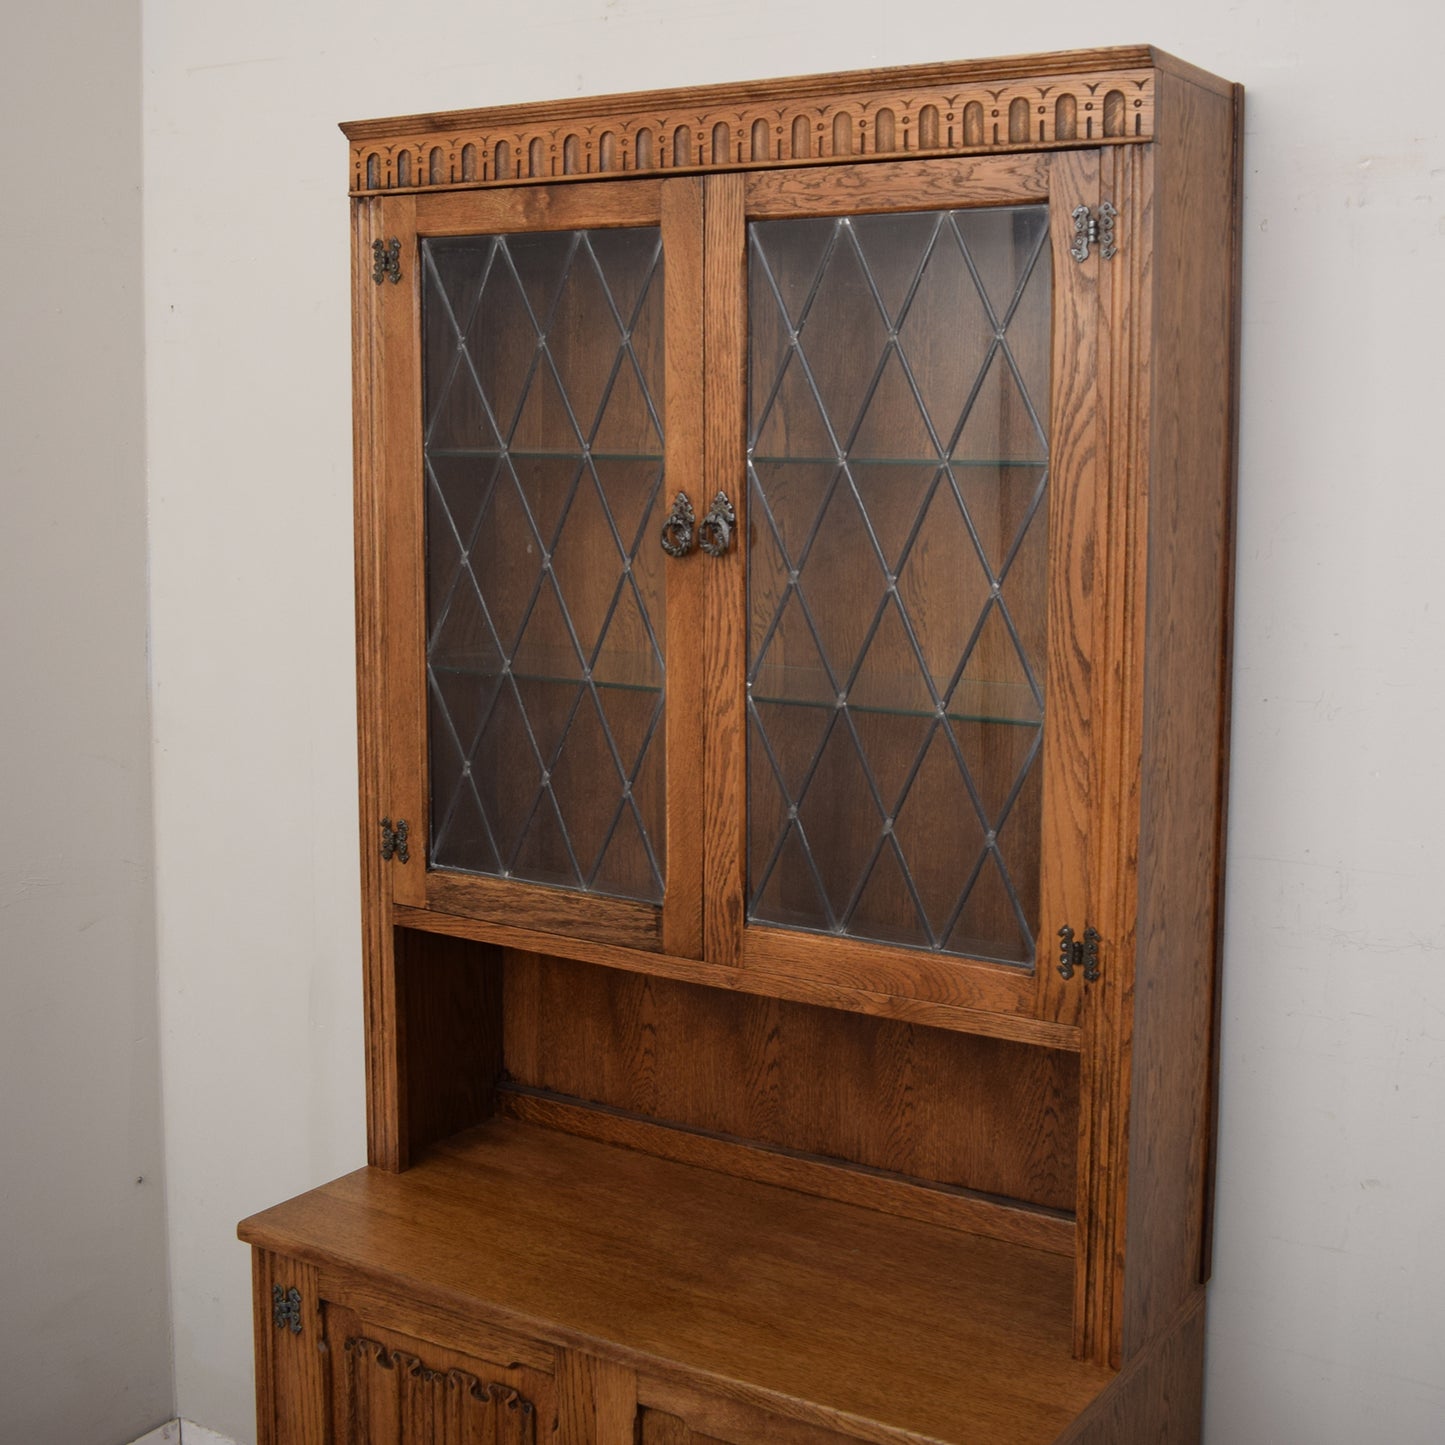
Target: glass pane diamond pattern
542,441
897,577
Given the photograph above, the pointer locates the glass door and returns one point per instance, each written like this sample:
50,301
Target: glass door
539,483
903,561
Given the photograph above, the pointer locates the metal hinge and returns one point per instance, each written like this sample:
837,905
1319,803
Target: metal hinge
1083,954
393,841
388,261
286,1308
1090,230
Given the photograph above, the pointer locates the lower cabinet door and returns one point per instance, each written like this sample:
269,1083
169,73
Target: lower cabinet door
338,1363
390,1389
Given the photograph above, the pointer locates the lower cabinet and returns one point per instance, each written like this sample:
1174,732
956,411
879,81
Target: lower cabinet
339,1363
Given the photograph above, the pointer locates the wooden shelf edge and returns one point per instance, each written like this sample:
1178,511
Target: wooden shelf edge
764,983
891,1194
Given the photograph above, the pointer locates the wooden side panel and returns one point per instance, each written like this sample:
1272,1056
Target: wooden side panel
1158,1396
449,1022
291,1398
596,1400
382,1120
1125,299
1191,484
984,1114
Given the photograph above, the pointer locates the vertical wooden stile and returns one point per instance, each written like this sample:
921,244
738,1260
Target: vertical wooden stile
725,630
682,250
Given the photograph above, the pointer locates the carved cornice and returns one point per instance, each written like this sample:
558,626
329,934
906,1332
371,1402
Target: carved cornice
924,111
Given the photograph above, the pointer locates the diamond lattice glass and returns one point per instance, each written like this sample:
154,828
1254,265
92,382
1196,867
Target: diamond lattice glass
898,471
542,387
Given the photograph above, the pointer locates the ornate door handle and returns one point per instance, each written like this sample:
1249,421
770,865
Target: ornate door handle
716,533
677,530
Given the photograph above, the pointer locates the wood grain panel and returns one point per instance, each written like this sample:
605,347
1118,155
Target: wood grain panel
1072,737
1184,725
290,1362
877,967
596,1400
449,1026
724,716
897,186
689,1274
1017,103
1159,1395
498,1350
680,1413
754,981
401,540
981,1114
557,208
545,910
888,1193
373,767
1123,361
387,1388
682,244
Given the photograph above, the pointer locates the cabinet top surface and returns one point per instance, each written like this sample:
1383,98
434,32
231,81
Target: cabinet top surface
1063,98
884,1319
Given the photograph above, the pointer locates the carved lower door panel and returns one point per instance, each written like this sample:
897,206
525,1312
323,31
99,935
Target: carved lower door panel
390,1389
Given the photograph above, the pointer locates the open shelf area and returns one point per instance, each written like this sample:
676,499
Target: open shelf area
805,1307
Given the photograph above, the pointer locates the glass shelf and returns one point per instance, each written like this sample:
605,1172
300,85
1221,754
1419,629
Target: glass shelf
856,460
537,454
625,673
1009,703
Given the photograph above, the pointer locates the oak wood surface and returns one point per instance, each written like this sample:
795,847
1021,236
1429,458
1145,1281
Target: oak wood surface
534,906
682,243
725,625
384,1146
676,1412
1158,1395
449,1031
752,980
981,1114
290,1365
955,108
596,1399
889,1193
1184,726
1060,62
897,186
580,206
688,1272
389,1388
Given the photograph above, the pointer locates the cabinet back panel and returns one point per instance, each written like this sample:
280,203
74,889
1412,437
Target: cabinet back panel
982,1114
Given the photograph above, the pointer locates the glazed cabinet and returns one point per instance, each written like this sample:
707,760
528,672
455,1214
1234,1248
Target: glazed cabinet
794,530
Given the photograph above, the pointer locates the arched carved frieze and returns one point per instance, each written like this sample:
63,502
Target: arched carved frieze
485,148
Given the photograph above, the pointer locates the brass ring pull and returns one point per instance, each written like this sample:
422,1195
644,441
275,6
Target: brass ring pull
716,533
677,530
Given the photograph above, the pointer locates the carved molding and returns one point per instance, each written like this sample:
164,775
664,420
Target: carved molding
385,1385
622,135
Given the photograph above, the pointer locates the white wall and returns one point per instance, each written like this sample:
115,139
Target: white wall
1328,1310
85,1351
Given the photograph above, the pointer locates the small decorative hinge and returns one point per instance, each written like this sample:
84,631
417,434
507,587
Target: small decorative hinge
1090,230
388,261
286,1308
393,841
1082,953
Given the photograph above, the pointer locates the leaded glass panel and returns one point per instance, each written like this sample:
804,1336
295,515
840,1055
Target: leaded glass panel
542,438
898,470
